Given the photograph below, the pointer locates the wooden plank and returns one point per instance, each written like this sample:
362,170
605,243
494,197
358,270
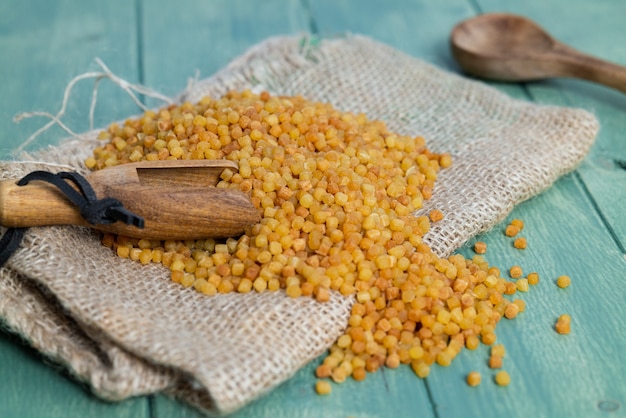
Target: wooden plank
603,171
32,387
574,375
44,45
588,358
419,28
387,393
204,37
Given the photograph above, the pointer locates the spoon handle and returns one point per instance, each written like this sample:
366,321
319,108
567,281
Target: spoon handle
579,65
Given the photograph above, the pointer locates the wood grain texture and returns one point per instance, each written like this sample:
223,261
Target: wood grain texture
591,27
44,45
508,47
32,387
177,200
199,38
578,227
419,28
390,393
552,375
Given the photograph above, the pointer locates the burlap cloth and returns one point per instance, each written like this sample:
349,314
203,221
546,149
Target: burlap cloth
127,330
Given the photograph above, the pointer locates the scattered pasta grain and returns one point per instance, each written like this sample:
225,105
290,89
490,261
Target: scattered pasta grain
339,375
480,247
511,230
563,324
502,378
123,251
520,243
511,311
515,272
518,223
498,350
495,361
323,370
421,369
473,378
472,342
562,327
323,387
563,281
445,160
533,278
520,304
522,285
436,215
565,318
359,373
489,338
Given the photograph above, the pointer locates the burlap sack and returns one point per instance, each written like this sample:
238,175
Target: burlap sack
127,330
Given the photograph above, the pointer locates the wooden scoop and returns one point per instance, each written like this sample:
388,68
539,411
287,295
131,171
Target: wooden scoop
177,199
512,48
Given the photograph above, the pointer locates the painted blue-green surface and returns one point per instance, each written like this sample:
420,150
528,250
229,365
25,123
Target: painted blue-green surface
578,227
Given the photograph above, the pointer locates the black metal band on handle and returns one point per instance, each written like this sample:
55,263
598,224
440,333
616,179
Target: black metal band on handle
95,211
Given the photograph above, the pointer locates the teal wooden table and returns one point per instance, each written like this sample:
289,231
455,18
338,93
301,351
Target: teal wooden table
578,227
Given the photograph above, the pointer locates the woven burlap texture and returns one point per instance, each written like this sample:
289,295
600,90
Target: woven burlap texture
127,330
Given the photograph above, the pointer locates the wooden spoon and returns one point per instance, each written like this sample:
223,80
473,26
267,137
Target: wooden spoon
512,48
177,199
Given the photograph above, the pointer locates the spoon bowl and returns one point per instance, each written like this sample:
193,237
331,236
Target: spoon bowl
508,47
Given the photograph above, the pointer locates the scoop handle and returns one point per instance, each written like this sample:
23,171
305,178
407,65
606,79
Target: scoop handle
169,213
35,204
576,64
